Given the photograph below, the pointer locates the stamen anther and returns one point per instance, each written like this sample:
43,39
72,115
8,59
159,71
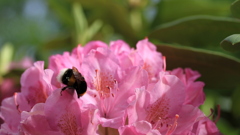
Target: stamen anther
172,128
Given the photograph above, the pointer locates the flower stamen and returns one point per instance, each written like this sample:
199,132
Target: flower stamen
218,115
15,101
171,128
164,63
104,83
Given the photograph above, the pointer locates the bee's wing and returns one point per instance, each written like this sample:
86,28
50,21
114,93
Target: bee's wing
77,74
81,83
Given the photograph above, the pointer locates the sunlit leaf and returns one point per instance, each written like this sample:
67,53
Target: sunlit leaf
219,71
5,58
235,8
231,43
209,102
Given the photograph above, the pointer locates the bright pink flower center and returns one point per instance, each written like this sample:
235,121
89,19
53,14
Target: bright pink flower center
104,83
157,115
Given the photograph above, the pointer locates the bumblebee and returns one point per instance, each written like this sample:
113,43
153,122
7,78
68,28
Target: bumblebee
73,79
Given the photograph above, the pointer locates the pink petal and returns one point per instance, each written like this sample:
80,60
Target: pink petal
194,89
205,126
78,54
69,115
119,47
35,122
133,78
187,117
138,128
36,83
10,115
102,60
93,45
152,59
37,125
170,89
127,57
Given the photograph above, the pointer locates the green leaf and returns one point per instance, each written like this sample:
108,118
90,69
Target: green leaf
84,32
231,43
235,102
62,10
219,71
92,30
60,42
117,17
80,19
197,31
235,8
111,13
170,10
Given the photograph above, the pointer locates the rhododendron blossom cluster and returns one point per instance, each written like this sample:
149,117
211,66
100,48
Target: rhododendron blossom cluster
129,92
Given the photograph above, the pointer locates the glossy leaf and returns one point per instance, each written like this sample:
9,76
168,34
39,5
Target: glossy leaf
235,8
170,10
231,43
197,31
219,71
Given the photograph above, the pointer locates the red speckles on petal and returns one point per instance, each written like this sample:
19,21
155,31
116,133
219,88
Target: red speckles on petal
158,110
68,125
104,83
157,115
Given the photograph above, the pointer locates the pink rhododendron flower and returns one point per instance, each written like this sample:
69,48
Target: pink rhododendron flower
194,90
129,92
138,128
163,106
60,114
204,126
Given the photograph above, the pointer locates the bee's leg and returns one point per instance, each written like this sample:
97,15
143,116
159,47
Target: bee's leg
65,88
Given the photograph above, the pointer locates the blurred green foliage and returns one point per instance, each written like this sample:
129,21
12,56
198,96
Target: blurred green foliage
187,32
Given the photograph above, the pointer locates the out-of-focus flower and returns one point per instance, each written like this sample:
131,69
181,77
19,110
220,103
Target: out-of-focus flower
25,63
9,85
8,88
128,92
